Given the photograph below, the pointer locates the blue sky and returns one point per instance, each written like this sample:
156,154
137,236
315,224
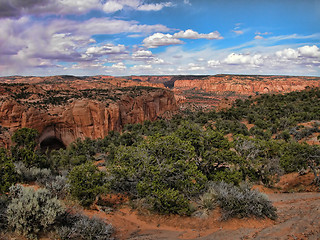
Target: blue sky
141,37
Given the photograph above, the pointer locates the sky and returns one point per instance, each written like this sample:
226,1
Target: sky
159,37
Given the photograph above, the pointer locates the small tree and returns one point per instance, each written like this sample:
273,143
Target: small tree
86,182
8,174
26,138
25,148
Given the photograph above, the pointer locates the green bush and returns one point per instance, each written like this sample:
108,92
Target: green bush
86,182
31,212
242,202
169,201
25,138
3,212
8,174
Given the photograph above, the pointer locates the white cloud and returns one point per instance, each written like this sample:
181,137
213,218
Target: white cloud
119,66
258,37
238,32
139,5
142,55
263,33
288,53
141,67
187,2
190,34
309,51
213,63
154,7
26,43
234,58
105,50
195,67
112,6
146,56
160,39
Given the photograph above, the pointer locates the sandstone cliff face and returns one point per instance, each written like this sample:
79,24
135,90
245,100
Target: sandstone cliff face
84,117
245,85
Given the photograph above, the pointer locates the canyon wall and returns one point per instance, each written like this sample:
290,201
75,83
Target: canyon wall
247,85
85,117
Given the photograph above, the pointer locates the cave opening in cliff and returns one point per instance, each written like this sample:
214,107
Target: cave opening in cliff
51,143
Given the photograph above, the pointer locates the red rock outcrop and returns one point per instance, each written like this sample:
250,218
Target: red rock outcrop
80,118
247,85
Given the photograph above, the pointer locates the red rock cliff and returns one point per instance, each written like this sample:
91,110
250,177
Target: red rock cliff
84,117
248,85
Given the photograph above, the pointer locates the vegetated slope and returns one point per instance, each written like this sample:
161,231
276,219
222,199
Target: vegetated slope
189,165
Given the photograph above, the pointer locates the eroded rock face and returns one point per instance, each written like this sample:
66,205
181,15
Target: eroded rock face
80,118
248,85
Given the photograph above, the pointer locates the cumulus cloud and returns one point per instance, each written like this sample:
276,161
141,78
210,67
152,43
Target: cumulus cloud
288,53
119,66
310,51
234,58
187,2
112,6
302,52
160,39
142,54
146,56
27,43
106,49
190,34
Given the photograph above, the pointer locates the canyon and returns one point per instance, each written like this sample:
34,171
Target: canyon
64,108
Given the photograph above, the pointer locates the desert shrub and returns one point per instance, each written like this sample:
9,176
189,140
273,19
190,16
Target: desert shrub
228,176
86,182
81,227
58,186
257,154
294,156
31,212
30,157
3,212
208,200
160,169
8,174
30,174
169,201
242,201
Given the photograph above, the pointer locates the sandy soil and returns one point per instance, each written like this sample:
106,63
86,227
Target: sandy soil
299,218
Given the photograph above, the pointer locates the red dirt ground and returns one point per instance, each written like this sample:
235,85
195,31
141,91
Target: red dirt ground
299,218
